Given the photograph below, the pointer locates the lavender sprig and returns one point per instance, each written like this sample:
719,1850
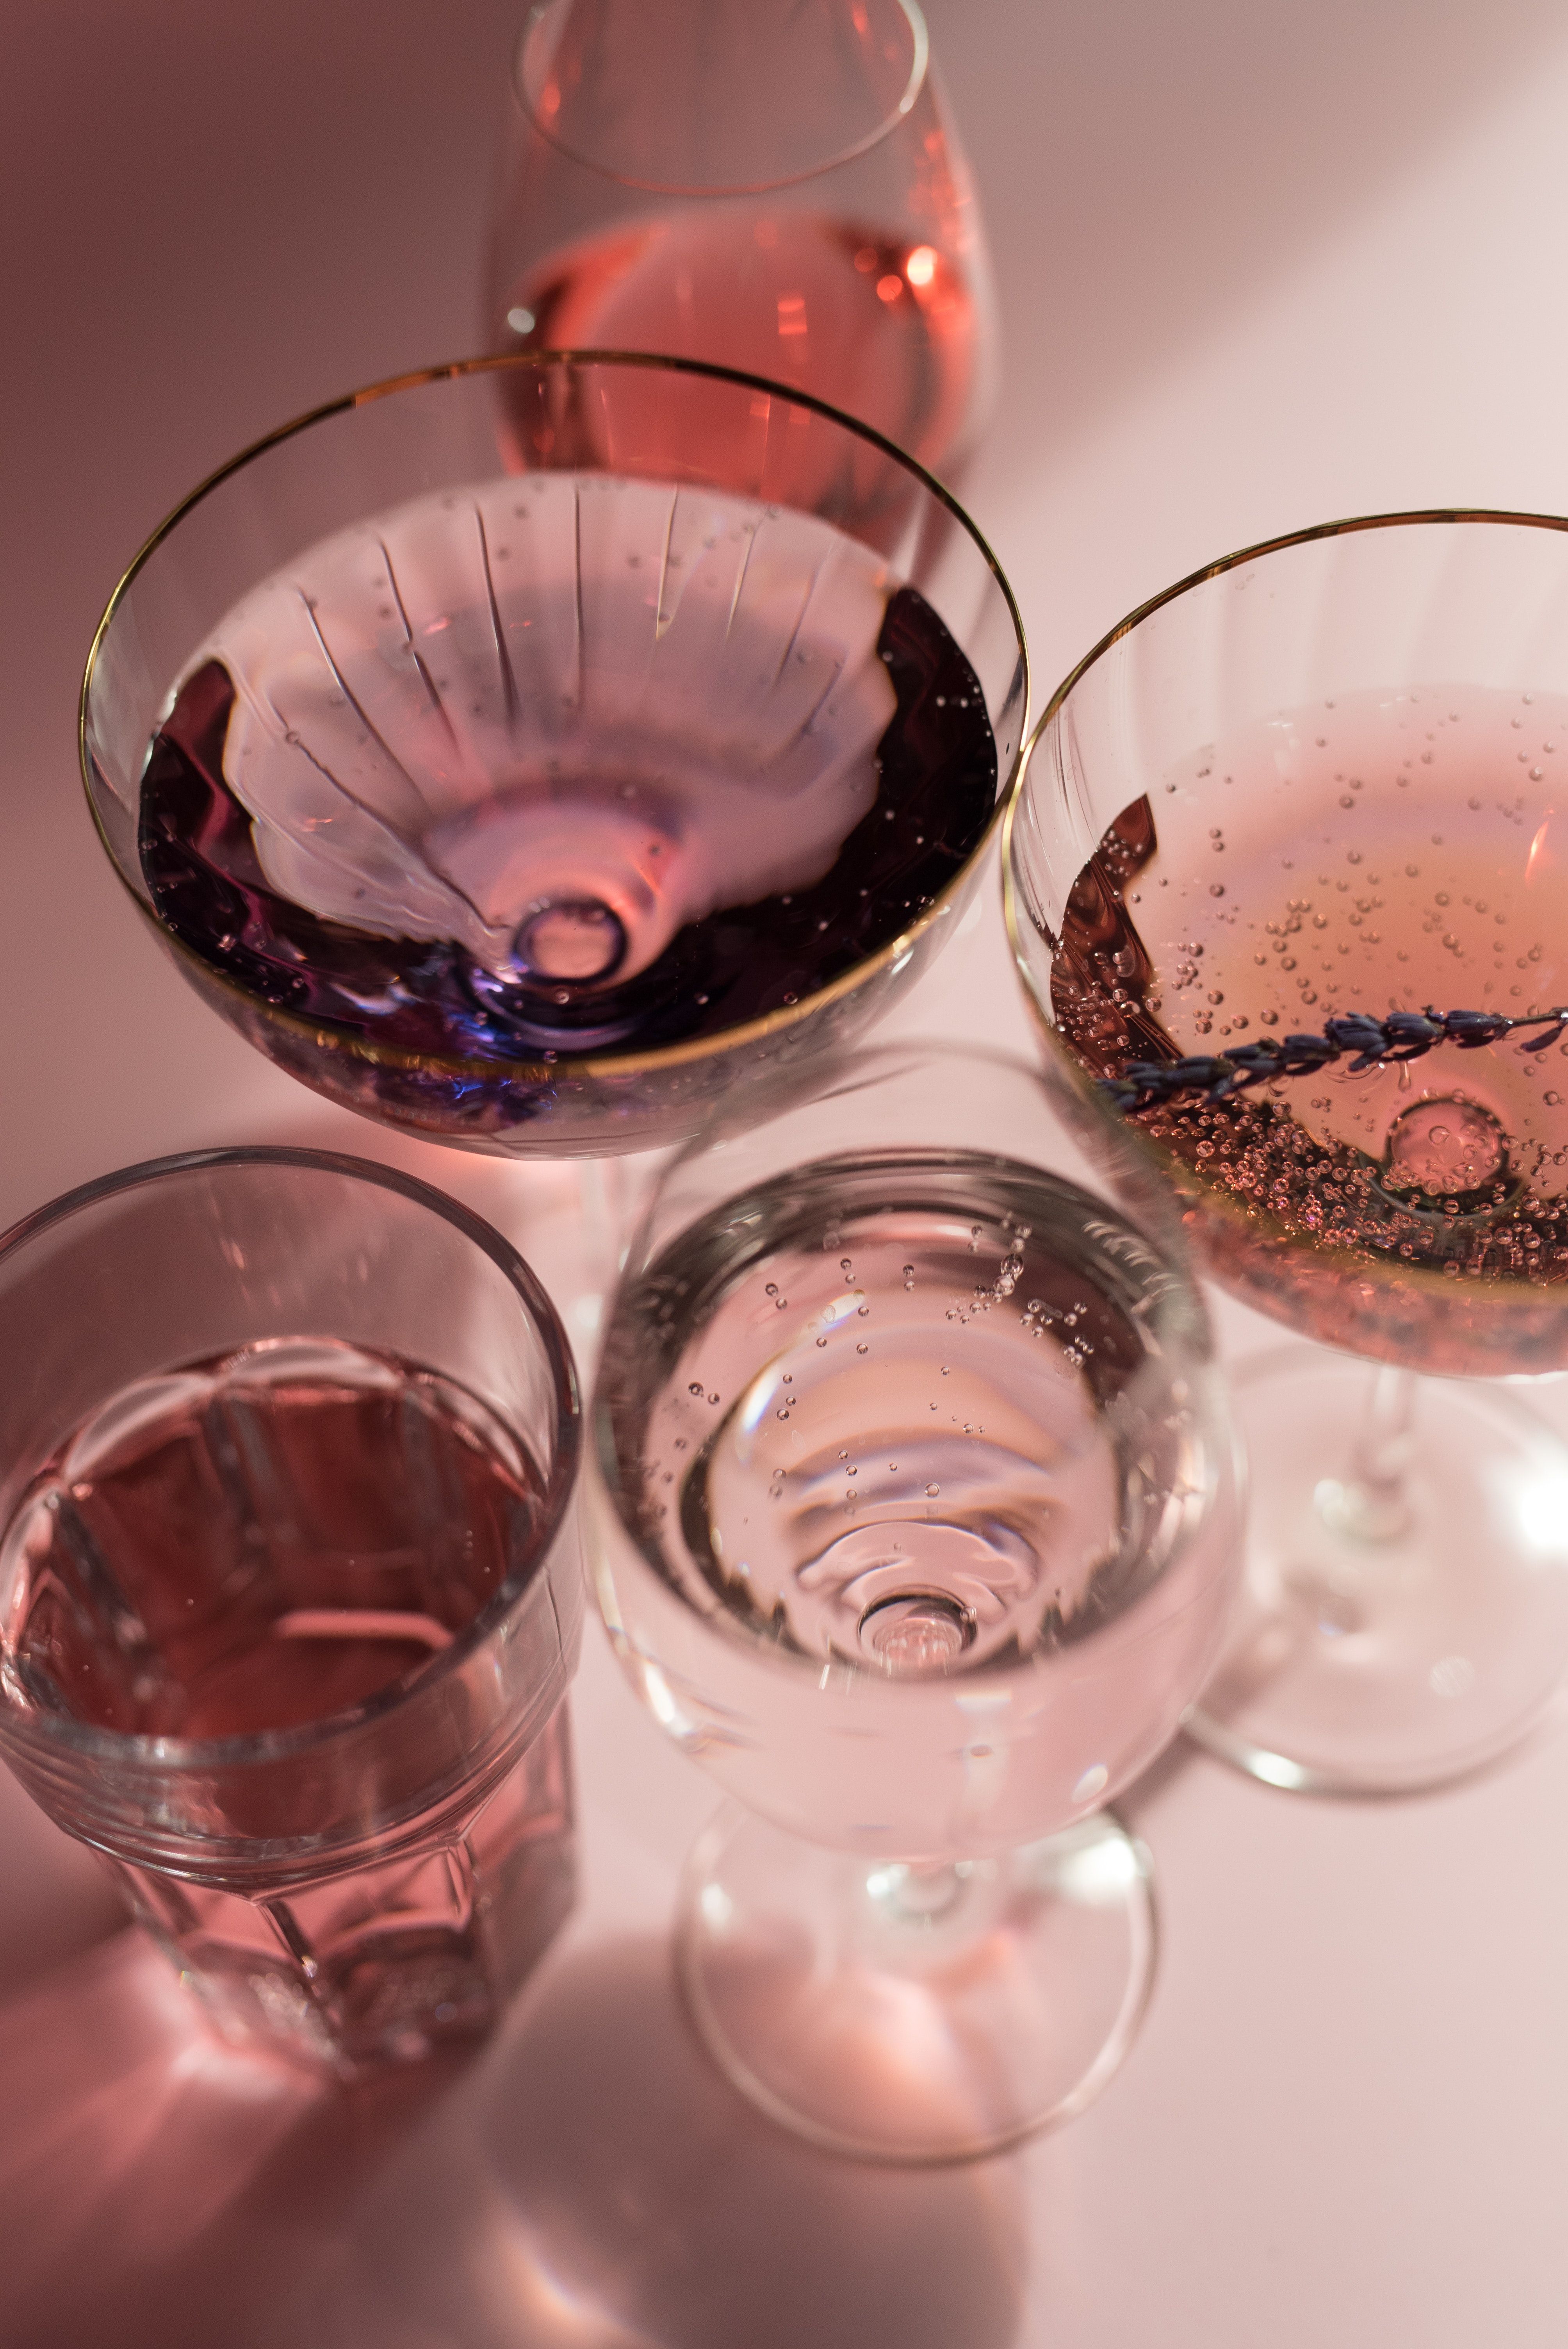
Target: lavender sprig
1374,1043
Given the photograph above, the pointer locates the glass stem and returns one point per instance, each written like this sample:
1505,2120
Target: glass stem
610,1195
1372,1502
600,1185
906,1893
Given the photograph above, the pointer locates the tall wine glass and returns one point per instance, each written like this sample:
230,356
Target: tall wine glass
773,184
523,753
1288,887
912,1509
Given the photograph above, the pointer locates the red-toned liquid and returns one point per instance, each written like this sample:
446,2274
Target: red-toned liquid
885,329
260,1541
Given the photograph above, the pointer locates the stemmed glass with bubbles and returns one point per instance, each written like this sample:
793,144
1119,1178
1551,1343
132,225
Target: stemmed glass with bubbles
525,754
912,1508
773,184
1288,886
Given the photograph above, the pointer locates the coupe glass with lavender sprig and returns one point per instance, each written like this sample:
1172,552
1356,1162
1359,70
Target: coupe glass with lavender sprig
1288,887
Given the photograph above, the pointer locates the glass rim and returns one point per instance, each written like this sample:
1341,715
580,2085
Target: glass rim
259,1748
920,66
1349,527
860,1067
1219,1206
564,1065
1174,1277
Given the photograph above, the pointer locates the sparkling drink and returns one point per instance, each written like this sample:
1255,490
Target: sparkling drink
564,765
1380,852
531,752
1309,980
912,1511
257,1543
908,1417
913,1514
884,326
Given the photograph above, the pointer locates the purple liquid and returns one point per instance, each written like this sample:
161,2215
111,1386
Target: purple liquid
541,814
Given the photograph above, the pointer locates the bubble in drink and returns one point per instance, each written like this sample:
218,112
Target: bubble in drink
1038,1544
562,764
1453,1166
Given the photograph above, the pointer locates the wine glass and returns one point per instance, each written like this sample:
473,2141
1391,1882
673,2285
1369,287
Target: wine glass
523,753
912,1509
773,184
1286,886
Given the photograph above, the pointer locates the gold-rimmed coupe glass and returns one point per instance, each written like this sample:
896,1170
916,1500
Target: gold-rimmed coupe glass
1287,884
523,753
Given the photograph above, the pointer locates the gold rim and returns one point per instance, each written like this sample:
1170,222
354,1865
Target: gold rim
567,1065
1220,1206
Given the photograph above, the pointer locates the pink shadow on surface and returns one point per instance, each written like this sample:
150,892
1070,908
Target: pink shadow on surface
599,2183
590,2179
155,2187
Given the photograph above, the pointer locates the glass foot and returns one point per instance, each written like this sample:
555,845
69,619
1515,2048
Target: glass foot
1400,1631
908,2012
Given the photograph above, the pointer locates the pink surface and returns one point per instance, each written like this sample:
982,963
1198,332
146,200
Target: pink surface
1257,267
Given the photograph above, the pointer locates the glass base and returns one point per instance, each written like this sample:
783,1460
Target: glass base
1382,1650
383,1965
905,2012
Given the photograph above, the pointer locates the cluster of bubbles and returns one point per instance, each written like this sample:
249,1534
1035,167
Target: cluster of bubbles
1372,936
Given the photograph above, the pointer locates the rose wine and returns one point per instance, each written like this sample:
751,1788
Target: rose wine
259,1542
903,1425
1386,852
566,764
885,327
256,1545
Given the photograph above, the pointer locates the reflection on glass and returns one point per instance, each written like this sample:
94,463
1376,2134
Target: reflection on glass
775,186
525,754
288,1591
1286,890
912,1515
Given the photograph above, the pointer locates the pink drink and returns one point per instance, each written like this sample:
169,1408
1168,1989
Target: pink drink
884,327
915,1491
1383,852
262,1542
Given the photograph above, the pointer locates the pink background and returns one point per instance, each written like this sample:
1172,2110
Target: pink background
1260,263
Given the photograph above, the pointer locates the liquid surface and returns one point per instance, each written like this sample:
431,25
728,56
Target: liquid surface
258,1542
1383,852
564,764
885,329
925,1426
